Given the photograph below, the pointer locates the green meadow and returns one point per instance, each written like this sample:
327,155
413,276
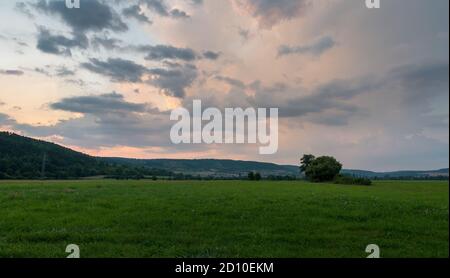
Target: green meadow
225,219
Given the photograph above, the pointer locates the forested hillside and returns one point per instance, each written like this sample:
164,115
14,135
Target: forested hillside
26,158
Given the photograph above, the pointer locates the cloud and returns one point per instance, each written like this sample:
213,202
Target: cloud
119,70
58,44
12,72
269,12
329,104
54,71
107,120
420,82
110,103
410,90
157,6
106,42
231,81
136,12
160,7
5,120
63,71
174,79
244,34
317,48
161,52
176,13
211,55
168,52
93,15
399,100
24,8
196,2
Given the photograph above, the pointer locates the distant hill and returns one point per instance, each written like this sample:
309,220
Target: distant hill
399,174
26,158
212,167
236,168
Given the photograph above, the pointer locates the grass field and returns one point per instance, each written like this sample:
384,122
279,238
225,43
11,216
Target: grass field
189,219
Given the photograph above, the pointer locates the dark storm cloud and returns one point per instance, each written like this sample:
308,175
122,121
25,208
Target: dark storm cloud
93,15
117,69
317,48
110,103
12,72
136,12
270,12
59,44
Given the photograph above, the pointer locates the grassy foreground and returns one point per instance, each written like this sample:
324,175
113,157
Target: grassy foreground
223,219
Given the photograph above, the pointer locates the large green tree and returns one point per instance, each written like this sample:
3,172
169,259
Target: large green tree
305,161
320,169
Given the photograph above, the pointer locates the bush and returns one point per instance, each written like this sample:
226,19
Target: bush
254,176
348,180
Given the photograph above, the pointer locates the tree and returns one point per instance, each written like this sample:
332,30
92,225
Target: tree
251,176
257,176
305,161
323,169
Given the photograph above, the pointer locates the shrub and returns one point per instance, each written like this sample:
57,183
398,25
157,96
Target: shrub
348,180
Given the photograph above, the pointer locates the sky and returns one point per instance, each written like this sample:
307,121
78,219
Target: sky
367,86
